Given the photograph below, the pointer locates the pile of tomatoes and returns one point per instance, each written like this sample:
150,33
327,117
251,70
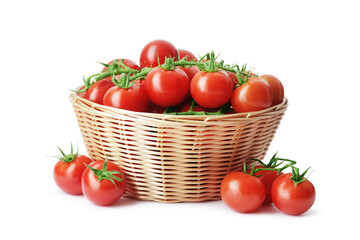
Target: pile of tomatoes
102,182
171,80
292,193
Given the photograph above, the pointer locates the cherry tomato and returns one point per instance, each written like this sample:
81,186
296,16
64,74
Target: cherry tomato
103,183
167,87
267,177
68,171
156,50
254,95
134,98
97,91
211,89
291,199
242,192
277,88
185,53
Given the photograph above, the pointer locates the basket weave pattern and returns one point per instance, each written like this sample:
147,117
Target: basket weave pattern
173,158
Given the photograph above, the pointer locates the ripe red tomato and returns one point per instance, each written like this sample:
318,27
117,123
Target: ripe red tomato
254,95
267,177
68,171
103,183
211,89
185,53
291,199
97,91
167,87
276,86
134,98
242,192
156,50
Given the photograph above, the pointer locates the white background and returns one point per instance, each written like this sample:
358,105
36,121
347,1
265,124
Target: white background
47,46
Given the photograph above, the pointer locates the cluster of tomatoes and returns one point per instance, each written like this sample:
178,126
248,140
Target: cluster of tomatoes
172,80
102,182
292,193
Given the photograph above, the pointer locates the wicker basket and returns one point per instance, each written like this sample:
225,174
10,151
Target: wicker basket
173,158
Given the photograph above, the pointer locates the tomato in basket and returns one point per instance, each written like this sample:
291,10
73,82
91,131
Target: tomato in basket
133,98
68,171
97,91
211,89
276,86
167,88
155,52
124,61
254,95
103,182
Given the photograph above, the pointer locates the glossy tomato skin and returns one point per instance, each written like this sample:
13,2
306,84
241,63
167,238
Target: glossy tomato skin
134,98
102,193
185,53
211,89
97,91
276,86
242,192
186,107
267,177
154,50
290,199
67,176
167,87
254,95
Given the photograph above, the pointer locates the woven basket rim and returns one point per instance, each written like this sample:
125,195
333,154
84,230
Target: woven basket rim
271,110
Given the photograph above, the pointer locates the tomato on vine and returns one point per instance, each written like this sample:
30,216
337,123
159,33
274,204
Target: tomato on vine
155,52
68,171
185,53
254,95
292,193
103,182
167,86
242,192
97,91
276,86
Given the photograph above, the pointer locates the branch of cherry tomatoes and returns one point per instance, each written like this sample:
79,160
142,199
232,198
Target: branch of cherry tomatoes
168,80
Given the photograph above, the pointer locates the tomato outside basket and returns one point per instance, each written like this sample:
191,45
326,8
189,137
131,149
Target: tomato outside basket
175,158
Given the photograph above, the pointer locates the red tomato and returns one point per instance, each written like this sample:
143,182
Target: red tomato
242,192
156,50
97,91
254,95
267,177
167,87
277,88
233,78
68,172
185,53
101,183
134,98
290,199
211,89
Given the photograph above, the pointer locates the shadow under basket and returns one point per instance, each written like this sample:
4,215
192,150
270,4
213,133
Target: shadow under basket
175,158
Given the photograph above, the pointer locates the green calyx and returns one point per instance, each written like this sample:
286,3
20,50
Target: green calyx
69,157
297,177
105,174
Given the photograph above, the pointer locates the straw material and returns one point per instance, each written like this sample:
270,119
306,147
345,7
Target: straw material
173,158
